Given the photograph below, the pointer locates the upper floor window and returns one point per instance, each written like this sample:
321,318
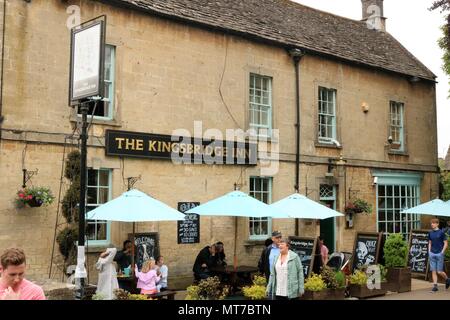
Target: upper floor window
327,115
105,107
260,109
98,192
396,125
261,189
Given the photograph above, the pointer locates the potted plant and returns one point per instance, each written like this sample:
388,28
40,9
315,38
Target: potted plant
207,289
258,290
35,196
396,259
315,288
335,283
360,289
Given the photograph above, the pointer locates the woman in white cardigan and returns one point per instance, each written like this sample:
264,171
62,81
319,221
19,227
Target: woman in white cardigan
107,276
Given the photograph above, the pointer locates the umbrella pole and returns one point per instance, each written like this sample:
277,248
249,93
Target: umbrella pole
235,242
132,252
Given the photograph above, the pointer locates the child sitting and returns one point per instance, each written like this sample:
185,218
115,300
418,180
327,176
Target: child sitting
148,277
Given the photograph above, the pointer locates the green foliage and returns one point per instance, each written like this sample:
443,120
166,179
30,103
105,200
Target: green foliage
445,182
69,203
41,195
258,290
444,42
383,272
66,241
98,296
340,278
315,283
207,289
121,294
138,297
447,254
329,277
358,277
73,165
395,251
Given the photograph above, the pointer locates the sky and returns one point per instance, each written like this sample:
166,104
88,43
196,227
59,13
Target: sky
418,29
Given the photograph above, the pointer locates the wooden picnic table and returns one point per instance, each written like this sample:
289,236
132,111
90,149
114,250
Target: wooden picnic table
241,275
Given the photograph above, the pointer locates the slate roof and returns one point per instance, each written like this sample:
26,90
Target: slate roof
289,24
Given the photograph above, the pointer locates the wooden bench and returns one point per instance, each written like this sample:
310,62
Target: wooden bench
169,294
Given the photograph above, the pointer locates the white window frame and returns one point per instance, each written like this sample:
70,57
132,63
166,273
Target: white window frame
268,219
90,205
396,124
322,114
109,85
258,104
410,193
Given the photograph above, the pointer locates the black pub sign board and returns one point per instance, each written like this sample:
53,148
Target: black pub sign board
366,249
305,247
189,228
418,252
179,149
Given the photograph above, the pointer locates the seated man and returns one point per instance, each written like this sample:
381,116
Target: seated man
220,255
206,259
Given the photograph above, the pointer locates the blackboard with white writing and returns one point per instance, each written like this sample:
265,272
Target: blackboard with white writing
305,248
189,228
418,251
366,249
147,246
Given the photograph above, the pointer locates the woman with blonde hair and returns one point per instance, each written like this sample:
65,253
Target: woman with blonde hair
147,277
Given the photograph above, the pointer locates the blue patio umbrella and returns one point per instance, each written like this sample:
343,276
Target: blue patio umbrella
301,207
435,207
134,206
235,204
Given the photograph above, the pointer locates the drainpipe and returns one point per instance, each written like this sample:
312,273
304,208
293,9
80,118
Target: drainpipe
2,65
297,55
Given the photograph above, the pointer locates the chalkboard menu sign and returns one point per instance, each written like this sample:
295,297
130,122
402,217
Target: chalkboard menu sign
305,248
147,246
418,252
189,228
366,249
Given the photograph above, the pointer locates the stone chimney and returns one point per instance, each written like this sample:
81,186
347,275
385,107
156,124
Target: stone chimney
373,14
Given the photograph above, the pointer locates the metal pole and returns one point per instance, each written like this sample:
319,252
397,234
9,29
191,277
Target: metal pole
84,107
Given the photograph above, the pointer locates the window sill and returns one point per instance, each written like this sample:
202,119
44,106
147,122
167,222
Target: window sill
326,145
398,153
252,243
259,138
98,248
109,122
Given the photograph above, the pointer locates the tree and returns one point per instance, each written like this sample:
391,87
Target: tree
444,182
444,42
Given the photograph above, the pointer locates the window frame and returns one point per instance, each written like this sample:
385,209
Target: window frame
400,127
327,140
107,241
260,128
269,219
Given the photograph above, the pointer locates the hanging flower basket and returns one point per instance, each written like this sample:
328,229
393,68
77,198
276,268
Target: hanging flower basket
35,196
358,206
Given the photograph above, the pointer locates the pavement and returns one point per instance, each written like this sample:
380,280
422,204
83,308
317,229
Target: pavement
420,290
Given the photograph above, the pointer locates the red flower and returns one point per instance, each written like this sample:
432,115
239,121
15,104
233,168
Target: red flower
29,197
21,195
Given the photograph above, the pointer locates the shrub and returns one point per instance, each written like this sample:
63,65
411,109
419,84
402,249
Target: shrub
315,283
358,277
395,251
98,296
137,297
258,290
66,241
207,289
340,278
329,277
121,294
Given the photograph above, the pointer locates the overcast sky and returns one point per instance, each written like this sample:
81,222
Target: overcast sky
410,22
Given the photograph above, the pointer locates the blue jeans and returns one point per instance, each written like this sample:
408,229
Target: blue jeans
436,262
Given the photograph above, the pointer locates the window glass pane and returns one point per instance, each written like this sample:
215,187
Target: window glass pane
103,195
92,195
92,178
104,178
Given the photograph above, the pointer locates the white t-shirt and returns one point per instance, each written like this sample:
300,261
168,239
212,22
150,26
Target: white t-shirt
282,277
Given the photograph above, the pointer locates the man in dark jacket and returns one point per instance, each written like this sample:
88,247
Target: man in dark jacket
206,259
268,255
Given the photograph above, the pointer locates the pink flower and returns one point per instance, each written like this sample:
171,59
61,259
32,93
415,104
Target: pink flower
29,197
21,195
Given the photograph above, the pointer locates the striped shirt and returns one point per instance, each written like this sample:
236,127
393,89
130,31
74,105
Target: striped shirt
28,291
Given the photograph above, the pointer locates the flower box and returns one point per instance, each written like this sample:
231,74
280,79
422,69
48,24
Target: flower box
325,294
399,279
363,292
